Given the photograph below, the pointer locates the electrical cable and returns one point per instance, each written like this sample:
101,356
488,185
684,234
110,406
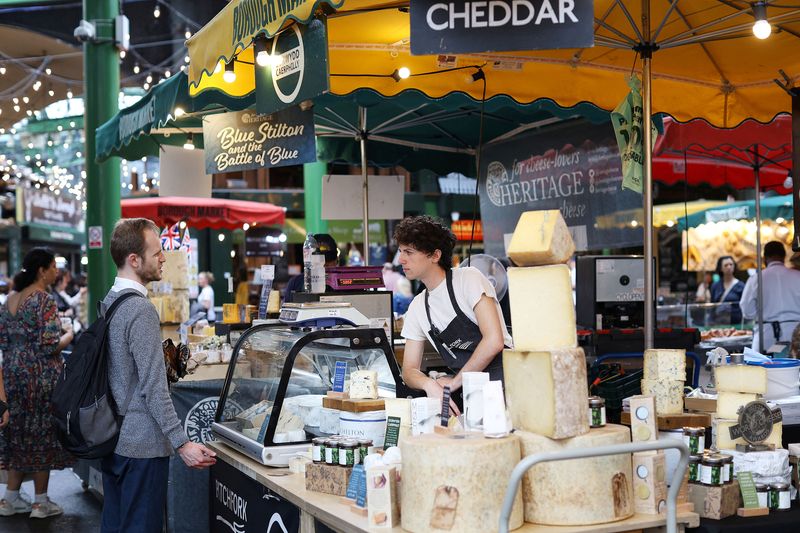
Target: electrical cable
477,166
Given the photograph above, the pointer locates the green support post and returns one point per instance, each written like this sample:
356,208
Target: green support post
312,186
101,90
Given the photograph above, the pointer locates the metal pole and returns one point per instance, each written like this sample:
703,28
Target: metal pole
600,451
101,90
362,126
759,256
647,184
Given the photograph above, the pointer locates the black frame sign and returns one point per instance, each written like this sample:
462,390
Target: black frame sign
300,69
244,140
500,25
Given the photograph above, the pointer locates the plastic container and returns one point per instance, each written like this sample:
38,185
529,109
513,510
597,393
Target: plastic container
367,425
783,377
317,273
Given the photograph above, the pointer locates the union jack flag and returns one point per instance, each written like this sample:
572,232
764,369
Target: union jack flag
171,238
186,241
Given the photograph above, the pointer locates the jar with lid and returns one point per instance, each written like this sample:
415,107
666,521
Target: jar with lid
762,491
779,497
363,448
597,412
695,439
727,468
332,452
711,470
318,449
347,452
694,468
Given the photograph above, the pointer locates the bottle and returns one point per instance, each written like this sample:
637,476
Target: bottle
309,247
318,273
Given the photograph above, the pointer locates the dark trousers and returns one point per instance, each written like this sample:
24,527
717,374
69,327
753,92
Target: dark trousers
134,494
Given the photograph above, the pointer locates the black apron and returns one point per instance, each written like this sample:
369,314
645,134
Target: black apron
458,340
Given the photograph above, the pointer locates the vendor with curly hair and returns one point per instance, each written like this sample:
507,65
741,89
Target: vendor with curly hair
458,311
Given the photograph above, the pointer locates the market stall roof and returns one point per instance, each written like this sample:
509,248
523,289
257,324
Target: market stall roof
663,214
772,208
203,212
707,63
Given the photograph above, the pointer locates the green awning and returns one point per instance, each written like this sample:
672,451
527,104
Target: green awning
772,208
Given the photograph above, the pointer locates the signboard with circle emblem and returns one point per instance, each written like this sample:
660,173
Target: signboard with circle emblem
296,69
95,237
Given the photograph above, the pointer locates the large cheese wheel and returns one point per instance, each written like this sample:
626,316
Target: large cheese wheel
578,492
457,484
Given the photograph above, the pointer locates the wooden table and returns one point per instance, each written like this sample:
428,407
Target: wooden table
670,422
336,514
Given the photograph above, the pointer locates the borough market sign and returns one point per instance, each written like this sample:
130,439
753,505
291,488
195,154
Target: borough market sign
500,25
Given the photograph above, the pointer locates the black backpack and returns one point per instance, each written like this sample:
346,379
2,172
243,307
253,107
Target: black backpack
85,415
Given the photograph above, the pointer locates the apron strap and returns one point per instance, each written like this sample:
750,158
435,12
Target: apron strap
451,293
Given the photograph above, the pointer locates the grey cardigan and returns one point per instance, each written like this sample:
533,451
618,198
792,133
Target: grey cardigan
136,370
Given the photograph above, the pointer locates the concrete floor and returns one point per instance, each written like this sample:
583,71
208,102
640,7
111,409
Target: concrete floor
81,508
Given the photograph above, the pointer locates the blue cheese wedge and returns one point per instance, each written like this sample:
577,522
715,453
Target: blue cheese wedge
364,384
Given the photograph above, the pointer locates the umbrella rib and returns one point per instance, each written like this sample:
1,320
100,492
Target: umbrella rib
725,80
631,21
782,28
425,119
335,124
614,30
672,7
526,127
433,123
694,31
345,121
424,146
378,128
785,17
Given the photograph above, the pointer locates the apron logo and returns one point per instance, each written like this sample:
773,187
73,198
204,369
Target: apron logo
459,344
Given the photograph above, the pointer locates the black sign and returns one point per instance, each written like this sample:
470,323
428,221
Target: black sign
573,167
297,68
495,25
245,140
240,504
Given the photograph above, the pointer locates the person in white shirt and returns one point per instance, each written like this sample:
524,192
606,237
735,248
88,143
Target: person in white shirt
206,296
458,312
781,299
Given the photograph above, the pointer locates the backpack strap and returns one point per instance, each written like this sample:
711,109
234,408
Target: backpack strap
109,314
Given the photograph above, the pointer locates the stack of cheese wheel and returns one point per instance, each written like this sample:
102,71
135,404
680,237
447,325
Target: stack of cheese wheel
738,385
664,376
546,386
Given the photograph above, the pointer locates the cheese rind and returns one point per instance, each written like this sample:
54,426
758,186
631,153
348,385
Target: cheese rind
578,492
665,364
720,429
541,238
546,392
741,378
364,384
728,403
542,311
668,394
473,471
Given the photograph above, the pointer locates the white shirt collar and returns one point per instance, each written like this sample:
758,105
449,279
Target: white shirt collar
125,283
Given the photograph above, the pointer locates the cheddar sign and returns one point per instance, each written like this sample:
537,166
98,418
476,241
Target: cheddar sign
500,25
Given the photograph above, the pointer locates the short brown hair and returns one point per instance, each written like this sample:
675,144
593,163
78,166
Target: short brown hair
128,238
427,234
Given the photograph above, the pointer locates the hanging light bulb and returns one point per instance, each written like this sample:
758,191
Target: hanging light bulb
156,11
178,112
69,93
761,27
229,75
149,79
260,49
136,68
189,144
788,183
187,34
401,74
2,71
167,74
122,54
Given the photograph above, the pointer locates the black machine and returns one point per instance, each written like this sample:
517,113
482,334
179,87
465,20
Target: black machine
609,291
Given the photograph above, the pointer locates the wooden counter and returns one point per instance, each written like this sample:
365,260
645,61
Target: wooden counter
334,513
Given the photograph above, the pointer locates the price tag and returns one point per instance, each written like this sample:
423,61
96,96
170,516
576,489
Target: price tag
392,432
748,490
352,484
338,376
360,485
267,275
446,406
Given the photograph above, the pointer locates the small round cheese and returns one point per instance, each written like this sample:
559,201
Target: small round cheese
457,484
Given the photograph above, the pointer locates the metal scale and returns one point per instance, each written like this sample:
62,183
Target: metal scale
322,315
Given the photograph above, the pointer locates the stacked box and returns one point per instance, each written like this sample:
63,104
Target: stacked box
649,482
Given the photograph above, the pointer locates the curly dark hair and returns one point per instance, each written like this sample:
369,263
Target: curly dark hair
427,234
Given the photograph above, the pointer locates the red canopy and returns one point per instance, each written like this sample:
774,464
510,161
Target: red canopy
201,213
719,156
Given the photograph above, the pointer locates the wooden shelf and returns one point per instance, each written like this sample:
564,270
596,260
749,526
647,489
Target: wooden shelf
668,422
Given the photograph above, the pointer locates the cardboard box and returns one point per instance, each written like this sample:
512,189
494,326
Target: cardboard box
330,479
715,502
703,405
643,419
649,482
382,497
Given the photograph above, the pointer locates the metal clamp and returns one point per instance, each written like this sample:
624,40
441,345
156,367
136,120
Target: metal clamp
600,451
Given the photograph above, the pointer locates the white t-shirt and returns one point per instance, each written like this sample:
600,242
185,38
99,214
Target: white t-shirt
207,294
468,285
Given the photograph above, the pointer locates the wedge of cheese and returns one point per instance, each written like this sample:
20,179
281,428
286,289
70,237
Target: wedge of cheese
668,394
542,312
720,429
541,238
364,384
728,403
665,364
741,378
546,392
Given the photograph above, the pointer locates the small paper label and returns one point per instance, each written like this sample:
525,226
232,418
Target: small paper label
392,432
446,406
361,485
748,490
267,272
338,376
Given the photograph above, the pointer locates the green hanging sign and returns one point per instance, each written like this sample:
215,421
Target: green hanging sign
627,119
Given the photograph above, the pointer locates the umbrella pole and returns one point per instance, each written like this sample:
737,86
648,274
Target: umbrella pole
362,126
759,258
647,184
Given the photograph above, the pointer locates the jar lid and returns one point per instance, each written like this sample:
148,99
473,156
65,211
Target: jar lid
761,487
726,458
365,441
596,401
713,459
779,486
694,431
318,440
695,458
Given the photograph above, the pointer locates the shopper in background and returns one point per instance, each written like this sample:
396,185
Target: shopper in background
781,306
206,297
458,312
31,340
728,289
4,288
242,289
703,294
402,296
135,475
390,277
325,245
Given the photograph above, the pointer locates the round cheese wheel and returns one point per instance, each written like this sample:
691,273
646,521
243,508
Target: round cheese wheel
452,483
579,492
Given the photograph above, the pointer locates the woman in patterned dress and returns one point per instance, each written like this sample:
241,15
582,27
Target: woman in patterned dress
31,341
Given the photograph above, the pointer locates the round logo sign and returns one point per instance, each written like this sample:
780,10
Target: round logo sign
496,176
287,75
200,417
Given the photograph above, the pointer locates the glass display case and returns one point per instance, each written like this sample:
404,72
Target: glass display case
273,411
701,315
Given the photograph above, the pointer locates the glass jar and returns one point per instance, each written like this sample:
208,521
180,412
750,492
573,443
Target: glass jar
597,412
711,470
332,452
727,469
694,468
363,448
348,450
762,491
318,449
695,439
779,497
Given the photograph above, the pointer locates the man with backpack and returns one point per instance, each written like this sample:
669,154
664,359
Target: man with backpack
135,475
